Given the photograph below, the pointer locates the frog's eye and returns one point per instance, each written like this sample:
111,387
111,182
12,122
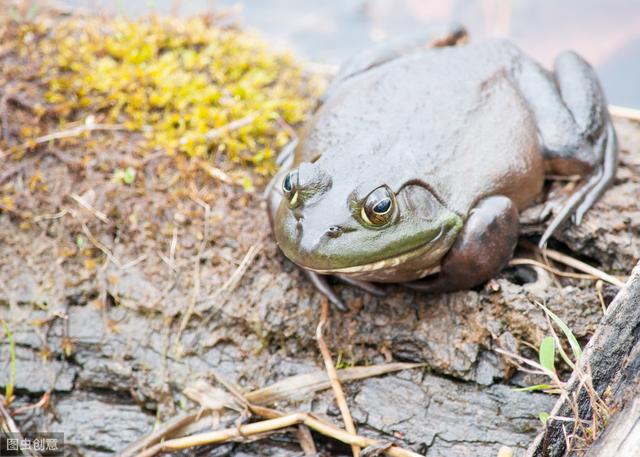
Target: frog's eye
378,208
290,187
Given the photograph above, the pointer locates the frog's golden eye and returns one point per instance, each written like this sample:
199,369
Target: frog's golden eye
379,207
290,187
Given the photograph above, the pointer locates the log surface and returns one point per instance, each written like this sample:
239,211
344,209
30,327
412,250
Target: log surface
613,356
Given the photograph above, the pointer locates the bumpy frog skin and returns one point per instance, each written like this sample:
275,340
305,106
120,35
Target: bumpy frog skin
422,152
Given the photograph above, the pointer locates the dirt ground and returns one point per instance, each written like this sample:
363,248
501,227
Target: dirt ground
119,296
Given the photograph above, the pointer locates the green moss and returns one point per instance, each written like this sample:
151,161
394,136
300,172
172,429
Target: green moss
189,87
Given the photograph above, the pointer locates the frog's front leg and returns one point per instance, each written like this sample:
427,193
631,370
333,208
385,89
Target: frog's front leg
320,282
575,130
483,248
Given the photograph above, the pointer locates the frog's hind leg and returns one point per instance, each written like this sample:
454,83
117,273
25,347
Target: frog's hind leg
575,129
596,153
433,37
586,196
481,250
583,95
606,174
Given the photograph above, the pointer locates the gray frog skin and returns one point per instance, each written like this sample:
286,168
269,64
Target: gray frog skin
422,152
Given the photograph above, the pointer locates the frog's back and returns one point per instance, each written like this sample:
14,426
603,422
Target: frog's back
450,117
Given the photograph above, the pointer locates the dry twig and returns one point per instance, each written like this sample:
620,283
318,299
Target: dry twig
85,204
7,423
303,385
215,172
576,264
196,269
105,250
625,112
270,426
42,403
158,435
555,271
216,400
231,126
333,375
220,296
306,440
581,266
88,126
16,169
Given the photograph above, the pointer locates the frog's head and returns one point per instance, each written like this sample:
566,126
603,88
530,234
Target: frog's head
333,221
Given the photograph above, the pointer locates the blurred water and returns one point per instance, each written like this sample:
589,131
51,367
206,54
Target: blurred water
606,33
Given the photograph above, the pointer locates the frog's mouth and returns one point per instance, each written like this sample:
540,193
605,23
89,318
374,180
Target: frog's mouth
428,255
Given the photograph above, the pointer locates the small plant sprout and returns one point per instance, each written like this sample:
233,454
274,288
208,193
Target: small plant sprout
581,431
11,382
544,417
547,353
126,176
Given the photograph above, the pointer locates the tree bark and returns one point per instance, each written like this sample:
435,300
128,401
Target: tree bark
622,436
613,357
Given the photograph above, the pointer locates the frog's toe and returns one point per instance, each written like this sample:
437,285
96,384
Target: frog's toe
550,207
586,196
364,285
606,174
320,283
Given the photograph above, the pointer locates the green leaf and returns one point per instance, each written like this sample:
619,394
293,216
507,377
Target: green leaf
547,353
129,175
544,417
536,387
573,342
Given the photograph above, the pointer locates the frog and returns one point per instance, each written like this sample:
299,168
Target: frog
423,152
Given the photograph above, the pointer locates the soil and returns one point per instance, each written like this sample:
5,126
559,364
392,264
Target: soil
97,276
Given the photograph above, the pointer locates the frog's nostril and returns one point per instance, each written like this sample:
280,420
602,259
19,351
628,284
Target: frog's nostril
334,231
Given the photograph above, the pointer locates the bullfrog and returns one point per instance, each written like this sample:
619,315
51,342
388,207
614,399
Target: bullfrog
423,151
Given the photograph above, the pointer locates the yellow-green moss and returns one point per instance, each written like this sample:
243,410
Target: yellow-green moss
175,81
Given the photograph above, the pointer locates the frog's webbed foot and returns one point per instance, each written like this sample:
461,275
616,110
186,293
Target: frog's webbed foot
606,174
433,37
586,196
481,250
551,206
